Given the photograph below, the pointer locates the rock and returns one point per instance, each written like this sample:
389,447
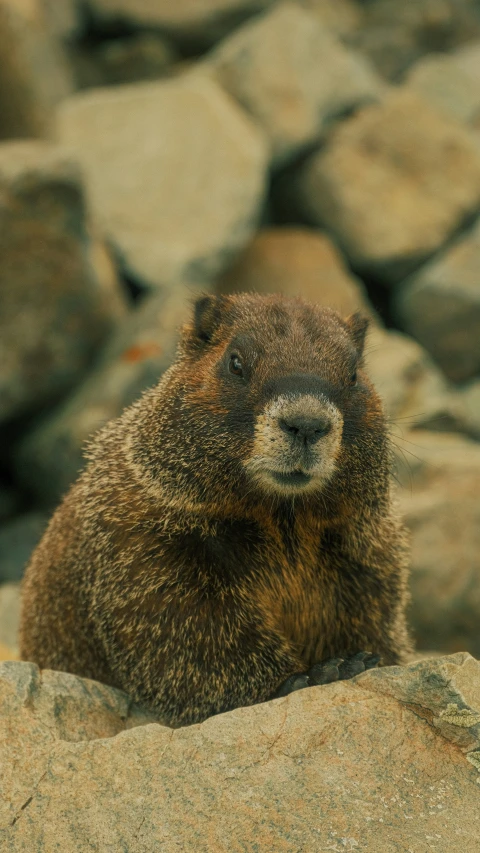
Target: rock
394,35
440,307
50,457
296,262
64,18
188,21
34,75
414,392
289,775
56,307
392,184
470,401
449,82
293,77
9,616
175,171
440,505
18,538
343,17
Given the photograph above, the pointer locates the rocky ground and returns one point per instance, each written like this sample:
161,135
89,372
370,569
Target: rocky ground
329,148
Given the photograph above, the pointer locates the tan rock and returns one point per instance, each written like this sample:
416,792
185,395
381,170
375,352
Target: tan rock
413,389
449,82
34,75
440,307
56,305
343,17
293,76
175,171
392,184
296,262
440,504
382,763
9,617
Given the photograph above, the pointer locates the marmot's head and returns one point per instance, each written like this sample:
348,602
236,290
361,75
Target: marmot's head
267,397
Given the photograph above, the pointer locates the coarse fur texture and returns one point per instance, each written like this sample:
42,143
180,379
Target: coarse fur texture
234,526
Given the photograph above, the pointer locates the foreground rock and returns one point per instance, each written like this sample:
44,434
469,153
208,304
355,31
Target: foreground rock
34,75
386,762
296,262
57,301
292,76
187,20
440,504
51,455
393,183
440,306
176,174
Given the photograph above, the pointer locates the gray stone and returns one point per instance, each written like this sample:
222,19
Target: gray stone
176,174
9,615
58,299
293,77
385,762
440,504
450,82
414,392
50,457
34,75
18,538
190,21
392,184
440,307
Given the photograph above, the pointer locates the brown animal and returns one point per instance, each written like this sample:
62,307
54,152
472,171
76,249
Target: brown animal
234,528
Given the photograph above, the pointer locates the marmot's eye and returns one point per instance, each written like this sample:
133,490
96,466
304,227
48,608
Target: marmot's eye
235,365
353,379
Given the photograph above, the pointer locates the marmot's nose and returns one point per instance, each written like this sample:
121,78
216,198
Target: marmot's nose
304,429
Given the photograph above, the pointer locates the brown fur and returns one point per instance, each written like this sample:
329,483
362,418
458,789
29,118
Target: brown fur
176,571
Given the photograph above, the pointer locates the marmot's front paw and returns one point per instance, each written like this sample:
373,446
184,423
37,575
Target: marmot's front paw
333,669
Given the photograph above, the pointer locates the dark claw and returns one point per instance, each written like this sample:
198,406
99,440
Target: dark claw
328,671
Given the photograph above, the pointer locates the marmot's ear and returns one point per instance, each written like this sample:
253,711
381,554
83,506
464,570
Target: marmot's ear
357,325
207,314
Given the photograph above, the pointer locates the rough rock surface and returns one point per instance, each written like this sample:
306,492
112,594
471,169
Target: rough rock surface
413,389
34,75
440,505
296,262
56,307
188,20
450,83
392,184
18,538
440,306
48,460
9,616
176,174
293,76
387,762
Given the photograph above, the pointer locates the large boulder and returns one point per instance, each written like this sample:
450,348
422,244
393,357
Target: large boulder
388,761
34,75
440,504
296,262
49,458
58,297
190,21
393,183
450,82
293,77
413,389
176,174
440,306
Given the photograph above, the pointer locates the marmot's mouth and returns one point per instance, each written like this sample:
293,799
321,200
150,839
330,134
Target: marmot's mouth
292,478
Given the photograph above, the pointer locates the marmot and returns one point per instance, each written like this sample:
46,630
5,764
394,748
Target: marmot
234,527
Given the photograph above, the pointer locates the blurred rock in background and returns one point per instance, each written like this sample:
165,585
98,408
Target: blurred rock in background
326,148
